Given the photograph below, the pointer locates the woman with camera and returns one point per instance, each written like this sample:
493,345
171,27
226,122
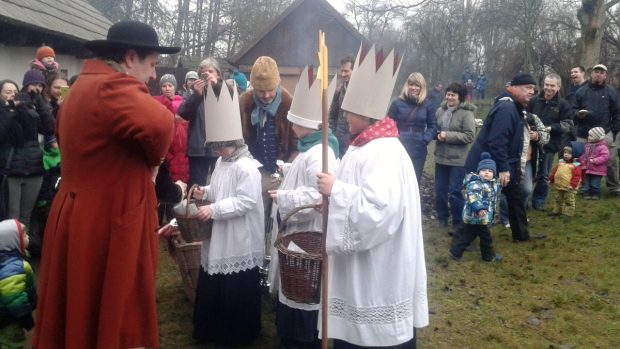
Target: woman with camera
23,116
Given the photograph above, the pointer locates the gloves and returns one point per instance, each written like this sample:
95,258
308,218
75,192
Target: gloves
38,102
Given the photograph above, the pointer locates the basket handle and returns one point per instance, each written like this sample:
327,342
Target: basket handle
288,216
190,196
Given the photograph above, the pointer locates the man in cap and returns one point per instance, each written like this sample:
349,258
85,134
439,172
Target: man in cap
100,253
506,136
266,130
597,106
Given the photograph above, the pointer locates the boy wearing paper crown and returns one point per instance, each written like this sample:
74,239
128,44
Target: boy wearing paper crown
17,285
228,295
296,322
480,202
377,271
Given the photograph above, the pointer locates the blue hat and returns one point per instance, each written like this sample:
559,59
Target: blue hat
486,163
576,148
33,76
240,79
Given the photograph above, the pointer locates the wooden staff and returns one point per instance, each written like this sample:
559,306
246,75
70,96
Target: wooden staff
322,75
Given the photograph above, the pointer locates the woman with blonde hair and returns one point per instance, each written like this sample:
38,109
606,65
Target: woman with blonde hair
415,117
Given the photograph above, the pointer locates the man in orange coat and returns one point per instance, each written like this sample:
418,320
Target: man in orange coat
97,279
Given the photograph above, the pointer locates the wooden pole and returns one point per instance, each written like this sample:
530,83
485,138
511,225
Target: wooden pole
323,70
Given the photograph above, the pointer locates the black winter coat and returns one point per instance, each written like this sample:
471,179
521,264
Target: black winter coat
19,129
601,102
556,113
502,136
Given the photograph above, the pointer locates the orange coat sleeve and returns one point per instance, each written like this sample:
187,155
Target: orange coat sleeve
136,117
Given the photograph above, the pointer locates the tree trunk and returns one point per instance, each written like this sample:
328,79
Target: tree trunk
592,17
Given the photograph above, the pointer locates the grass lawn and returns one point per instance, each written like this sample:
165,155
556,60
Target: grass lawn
563,292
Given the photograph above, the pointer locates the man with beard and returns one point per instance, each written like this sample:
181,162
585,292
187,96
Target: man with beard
597,106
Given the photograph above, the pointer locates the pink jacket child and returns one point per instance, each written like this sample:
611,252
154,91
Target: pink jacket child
596,154
45,60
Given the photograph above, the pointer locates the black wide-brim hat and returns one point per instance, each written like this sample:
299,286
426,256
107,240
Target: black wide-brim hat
130,34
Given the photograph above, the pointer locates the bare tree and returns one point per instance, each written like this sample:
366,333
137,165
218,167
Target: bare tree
592,17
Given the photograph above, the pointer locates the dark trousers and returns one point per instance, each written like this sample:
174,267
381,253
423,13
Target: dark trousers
199,168
468,233
541,189
449,199
517,216
339,344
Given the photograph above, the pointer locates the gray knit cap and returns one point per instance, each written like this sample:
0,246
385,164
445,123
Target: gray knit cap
596,133
168,78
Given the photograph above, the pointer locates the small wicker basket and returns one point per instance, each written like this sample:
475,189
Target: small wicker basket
300,273
193,229
187,256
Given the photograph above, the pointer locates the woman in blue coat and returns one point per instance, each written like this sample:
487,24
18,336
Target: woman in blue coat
415,117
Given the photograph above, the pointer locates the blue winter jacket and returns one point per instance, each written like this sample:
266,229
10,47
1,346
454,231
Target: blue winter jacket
423,124
479,195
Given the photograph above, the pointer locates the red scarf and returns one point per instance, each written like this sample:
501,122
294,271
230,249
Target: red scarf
380,129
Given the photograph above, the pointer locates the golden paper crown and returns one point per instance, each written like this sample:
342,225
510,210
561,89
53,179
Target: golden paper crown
306,108
222,117
371,83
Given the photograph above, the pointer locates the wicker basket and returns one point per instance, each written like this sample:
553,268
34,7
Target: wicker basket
193,229
300,273
187,256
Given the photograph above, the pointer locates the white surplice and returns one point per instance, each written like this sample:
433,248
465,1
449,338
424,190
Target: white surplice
377,272
238,240
299,188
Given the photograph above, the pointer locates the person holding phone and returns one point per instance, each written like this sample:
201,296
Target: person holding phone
598,105
201,159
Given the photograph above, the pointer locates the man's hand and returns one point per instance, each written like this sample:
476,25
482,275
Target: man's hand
168,230
504,178
534,135
325,183
582,114
482,213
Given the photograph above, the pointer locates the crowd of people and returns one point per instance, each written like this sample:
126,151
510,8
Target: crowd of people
93,173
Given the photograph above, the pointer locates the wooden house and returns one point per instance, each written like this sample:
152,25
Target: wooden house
62,24
293,40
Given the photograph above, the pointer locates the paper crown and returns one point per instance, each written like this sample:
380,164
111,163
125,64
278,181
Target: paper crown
306,106
222,117
371,83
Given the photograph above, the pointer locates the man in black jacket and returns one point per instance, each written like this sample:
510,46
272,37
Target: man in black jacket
556,114
597,105
502,135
